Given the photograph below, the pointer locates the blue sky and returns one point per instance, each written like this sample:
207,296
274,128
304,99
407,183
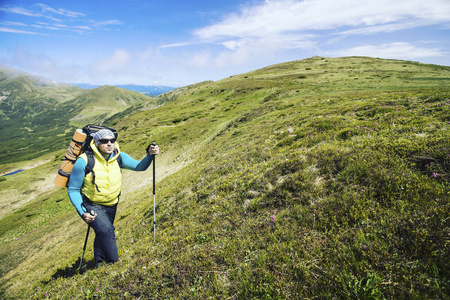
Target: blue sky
180,42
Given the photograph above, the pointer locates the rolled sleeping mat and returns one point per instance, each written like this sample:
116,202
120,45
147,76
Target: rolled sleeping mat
74,150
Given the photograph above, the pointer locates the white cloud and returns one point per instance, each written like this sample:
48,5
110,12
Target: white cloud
20,11
200,59
60,11
115,63
38,64
175,45
383,28
108,22
148,53
15,24
275,27
281,17
27,12
67,17
11,30
83,27
397,50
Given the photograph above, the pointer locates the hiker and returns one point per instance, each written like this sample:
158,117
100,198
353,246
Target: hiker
100,189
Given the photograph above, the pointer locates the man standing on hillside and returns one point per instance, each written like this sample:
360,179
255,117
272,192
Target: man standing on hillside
99,190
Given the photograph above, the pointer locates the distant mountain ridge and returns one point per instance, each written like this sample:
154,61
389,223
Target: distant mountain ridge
149,90
18,84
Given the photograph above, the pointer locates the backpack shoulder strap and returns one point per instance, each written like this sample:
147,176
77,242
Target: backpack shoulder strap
119,160
90,166
90,162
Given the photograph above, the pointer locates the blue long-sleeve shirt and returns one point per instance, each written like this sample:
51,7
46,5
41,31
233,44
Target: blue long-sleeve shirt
78,173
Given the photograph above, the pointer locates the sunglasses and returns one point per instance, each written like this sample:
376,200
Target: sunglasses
105,141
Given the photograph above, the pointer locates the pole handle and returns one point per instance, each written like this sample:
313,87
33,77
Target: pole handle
154,175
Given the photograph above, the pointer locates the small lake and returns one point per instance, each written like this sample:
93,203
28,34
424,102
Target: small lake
15,172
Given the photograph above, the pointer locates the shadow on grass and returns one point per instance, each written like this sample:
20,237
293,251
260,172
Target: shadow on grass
72,270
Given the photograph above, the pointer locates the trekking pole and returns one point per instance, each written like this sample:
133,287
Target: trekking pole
85,241
154,193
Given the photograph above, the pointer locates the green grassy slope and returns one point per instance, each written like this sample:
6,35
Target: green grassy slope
103,102
321,178
32,108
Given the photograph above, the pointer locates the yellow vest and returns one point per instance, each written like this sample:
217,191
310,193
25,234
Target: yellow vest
108,178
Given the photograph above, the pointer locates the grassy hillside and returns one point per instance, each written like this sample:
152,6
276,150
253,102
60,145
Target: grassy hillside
103,102
38,116
15,85
321,178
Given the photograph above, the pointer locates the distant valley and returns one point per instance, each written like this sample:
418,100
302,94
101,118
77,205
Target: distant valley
149,90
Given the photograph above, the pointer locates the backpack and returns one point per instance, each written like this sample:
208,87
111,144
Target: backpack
81,143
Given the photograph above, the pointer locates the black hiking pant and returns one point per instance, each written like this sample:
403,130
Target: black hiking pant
105,247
